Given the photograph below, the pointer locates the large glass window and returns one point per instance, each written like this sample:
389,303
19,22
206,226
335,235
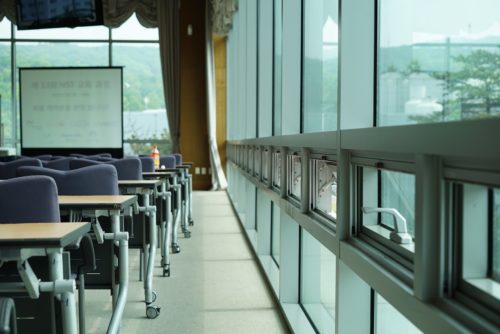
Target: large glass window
320,64
324,194
6,131
317,283
5,28
388,320
55,54
275,233
294,176
435,70
278,26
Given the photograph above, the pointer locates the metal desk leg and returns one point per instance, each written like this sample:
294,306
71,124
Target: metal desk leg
166,230
184,209
152,311
177,219
121,296
190,198
67,299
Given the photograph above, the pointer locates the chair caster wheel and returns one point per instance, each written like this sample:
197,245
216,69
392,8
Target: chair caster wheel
191,222
152,311
166,272
187,234
176,249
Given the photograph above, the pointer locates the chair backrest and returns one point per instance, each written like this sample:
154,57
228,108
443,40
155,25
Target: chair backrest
29,199
178,158
168,161
128,168
147,164
44,157
59,164
91,180
8,169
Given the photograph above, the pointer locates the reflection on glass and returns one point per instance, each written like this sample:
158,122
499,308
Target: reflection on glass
317,293
277,169
5,28
398,192
435,70
496,236
265,164
257,159
278,22
79,33
388,320
295,168
6,129
275,233
40,54
325,200
133,30
320,65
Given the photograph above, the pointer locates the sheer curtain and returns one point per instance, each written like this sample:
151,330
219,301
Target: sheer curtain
218,178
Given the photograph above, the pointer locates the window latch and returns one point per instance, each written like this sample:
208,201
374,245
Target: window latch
400,234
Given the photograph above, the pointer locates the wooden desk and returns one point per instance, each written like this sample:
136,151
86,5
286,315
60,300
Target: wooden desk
41,235
20,242
113,206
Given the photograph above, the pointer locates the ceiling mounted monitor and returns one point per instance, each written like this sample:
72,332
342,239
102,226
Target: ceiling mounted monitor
40,14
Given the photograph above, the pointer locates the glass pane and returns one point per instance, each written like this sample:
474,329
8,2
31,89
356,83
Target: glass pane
317,293
320,65
398,192
257,159
6,116
265,164
325,185
275,234
145,116
133,30
277,169
388,320
56,54
435,70
295,174
250,160
277,66
496,235
80,33
5,28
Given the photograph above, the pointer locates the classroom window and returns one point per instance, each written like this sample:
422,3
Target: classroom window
317,283
6,124
277,169
265,164
5,28
320,65
257,161
435,70
275,233
278,57
294,176
388,320
324,199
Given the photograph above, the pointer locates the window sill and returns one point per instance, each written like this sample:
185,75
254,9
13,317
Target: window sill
486,285
385,233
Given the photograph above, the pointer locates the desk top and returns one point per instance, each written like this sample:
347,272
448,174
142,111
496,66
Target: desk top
41,234
96,202
150,184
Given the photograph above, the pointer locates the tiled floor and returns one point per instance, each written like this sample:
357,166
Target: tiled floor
215,286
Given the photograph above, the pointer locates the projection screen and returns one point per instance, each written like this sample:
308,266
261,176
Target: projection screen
76,108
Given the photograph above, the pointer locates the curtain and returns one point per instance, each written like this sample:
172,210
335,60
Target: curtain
116,12
222,16
168,27
218,177
8,9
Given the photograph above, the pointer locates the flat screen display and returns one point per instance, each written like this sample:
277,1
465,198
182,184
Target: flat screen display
71,108
38,14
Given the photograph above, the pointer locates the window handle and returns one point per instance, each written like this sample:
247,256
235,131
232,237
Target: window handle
400,234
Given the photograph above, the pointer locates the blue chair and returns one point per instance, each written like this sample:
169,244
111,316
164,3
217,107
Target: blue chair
8,321
168,161
8,169
91,180
178,158
44,157
41,194
147,164
127,169
59,164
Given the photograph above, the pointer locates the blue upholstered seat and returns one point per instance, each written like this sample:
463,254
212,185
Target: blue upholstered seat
8,169
127,169
168,161
91,180
44,157
59,164
40,192
148,164
178,158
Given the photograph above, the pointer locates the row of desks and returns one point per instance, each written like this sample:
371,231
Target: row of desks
51,238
